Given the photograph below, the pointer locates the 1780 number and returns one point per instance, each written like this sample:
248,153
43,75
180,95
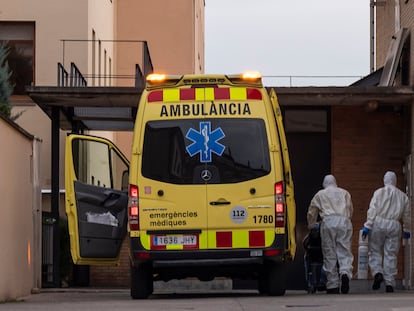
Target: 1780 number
263,219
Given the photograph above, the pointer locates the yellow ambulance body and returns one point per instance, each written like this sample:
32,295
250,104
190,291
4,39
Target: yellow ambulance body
210,188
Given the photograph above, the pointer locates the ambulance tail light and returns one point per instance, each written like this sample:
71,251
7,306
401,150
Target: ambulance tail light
272,253
279,205
142,255
133,208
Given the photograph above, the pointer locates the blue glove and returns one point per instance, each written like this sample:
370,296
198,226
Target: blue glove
406,235
315,227
365,232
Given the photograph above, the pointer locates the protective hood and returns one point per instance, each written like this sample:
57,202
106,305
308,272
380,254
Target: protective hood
329,181
390,179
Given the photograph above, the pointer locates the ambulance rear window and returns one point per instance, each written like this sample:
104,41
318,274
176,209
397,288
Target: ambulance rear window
198,151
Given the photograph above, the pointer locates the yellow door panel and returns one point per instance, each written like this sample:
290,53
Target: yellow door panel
96,180
246,205
290,199
172,207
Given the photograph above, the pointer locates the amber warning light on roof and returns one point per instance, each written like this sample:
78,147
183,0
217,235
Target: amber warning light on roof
246,76
251,75
156,77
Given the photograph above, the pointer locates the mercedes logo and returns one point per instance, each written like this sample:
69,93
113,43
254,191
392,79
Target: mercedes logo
206,175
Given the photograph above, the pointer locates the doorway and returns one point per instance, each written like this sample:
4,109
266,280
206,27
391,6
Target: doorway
308,134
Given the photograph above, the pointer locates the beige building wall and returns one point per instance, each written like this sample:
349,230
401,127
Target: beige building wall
199,36
19,221
100,53
173,29
57,20
35,121
51,18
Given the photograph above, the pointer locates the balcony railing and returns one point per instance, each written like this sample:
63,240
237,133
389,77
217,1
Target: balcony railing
140,67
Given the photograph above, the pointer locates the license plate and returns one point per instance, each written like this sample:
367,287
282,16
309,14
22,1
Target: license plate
188,240
256,253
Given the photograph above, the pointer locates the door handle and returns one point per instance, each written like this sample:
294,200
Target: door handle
110,197
223,202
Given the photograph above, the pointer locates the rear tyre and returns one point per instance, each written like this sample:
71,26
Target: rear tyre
141,281
276,279
263,285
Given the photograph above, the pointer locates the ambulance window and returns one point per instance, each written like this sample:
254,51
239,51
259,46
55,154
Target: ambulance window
234,150
96,164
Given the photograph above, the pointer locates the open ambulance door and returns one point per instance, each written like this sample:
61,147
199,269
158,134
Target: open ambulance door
290,197
96,182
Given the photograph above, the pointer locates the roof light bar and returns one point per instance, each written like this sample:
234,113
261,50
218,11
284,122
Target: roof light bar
251,75
156,77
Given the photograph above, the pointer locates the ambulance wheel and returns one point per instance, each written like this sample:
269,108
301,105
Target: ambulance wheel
262,284
141,281
276,279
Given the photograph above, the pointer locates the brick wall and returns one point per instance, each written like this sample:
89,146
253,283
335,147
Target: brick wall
364,146
407,21
385,29
112,276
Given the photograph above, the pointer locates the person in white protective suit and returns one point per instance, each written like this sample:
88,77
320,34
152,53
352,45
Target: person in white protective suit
388,207
334,206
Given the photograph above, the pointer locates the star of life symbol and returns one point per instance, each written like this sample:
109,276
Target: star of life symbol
205,142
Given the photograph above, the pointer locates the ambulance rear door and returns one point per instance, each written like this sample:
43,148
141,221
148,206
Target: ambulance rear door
172,196
96,182
290,199
237,171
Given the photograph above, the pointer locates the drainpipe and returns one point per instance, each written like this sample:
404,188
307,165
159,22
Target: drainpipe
397,16
37,218
372,29
372,36
55,194
406,243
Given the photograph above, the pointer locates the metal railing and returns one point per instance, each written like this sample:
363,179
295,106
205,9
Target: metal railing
143,66
62,76
309,80
76,78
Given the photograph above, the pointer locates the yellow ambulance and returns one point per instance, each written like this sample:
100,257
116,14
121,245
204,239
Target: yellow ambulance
208,191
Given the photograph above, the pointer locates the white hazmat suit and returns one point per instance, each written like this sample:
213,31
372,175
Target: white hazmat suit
387,208
333,204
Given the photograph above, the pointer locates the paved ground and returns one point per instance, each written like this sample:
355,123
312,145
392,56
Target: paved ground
180,297
213,300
